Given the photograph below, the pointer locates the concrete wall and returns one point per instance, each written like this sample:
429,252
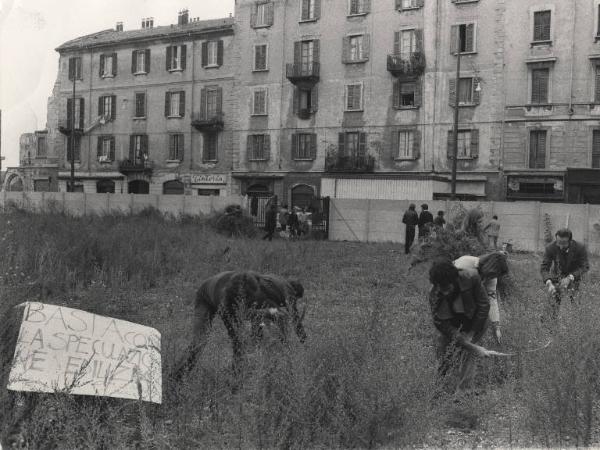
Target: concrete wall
523,224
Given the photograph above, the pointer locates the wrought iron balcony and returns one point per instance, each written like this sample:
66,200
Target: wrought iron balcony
303,74
136,165
208,122
413,65
334,163
64,127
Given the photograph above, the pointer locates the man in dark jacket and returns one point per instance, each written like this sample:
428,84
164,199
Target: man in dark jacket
564,263
270,221
425,221
411,220
459,309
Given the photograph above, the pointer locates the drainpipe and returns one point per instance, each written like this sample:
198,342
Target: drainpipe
435,82
281,93
192,103
570,111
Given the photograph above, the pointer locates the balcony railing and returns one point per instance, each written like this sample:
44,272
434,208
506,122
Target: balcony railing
64,127
336,163
208,122
411,65
136,165
306,74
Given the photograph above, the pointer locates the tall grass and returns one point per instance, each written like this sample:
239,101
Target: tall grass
365,378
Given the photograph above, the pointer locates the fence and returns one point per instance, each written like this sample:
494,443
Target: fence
523,224
80,203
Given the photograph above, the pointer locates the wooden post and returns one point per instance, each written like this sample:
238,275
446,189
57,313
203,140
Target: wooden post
368,221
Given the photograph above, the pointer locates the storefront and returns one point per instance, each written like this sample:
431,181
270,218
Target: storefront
583,186
543,188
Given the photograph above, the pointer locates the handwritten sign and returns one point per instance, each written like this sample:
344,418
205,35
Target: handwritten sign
208,179
62,349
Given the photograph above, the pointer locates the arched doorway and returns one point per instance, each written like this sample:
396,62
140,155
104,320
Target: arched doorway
173,187
105,187
138,187
15,184
302,196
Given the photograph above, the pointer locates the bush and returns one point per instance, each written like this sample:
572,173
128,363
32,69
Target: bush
232,221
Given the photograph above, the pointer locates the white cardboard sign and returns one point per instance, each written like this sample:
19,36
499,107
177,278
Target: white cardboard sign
62,349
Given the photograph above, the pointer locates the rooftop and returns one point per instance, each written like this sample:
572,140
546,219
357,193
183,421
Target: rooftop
111,36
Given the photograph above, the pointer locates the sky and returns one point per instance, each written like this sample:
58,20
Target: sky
30,30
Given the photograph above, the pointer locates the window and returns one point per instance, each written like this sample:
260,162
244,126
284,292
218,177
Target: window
462,37
75,68
176,57
352,145
209,192
106,148
173,187
77,144
105,187
79,112
138,148
353,98
107,107
258,147
539,85
211,142
260,57
304,146
262,16
468,144
405,43
311,9
356,48
212,53
598,25
537,149
465,91
596,149
175,104
306,100
359,7
259,102
407,94
541,26
404,145
140,62
41,147
140,105
306,55
213,102
597,83
108,65
176,147
469,88
408,4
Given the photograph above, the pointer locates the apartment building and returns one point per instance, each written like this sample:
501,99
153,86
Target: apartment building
147,110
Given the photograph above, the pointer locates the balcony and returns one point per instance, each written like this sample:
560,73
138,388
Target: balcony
64,127
136,166
303,75
411,66
334,163
208,123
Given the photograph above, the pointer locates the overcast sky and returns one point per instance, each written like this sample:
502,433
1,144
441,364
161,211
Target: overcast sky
30,30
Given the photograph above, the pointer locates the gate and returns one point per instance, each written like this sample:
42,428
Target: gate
319,206
258,208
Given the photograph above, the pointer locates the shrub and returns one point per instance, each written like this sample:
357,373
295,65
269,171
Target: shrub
233,221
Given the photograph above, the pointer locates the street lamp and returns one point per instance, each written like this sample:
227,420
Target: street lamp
455,134
72,131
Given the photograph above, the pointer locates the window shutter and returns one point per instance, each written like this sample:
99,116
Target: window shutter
419,40
475,143
314,99
253,15
450,146
81,112
220,52
167,104
470,38
341,145
399,5
205,54
313,146
113,107
71,68
78,71
270,13
172,149
69,112
346,49
203,105
349,97
101,69
147,61
396,94
396,42
452,91
420,3
366,46
362,144
454,39
316,50
597,84
476,94
418,93
249,155
183,56
305,9
297,52
99,146
546,19
317,9
394,144
181,103
295,146
145,144
366,6
113,70
101,106
416,150
133,61
296,100
112,148
169,58
132,154
267,148
219,100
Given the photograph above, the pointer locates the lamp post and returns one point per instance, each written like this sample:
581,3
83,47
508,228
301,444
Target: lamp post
72,131
455,130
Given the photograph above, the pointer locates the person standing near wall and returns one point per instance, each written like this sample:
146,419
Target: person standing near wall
411,220
425,221
439,220
493,230
270,221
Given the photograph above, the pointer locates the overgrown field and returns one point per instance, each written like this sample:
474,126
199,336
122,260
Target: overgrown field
365,377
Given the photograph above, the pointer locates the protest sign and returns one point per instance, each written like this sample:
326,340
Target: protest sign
62,349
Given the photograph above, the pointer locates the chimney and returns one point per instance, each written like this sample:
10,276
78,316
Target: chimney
148,22
183,17
119,26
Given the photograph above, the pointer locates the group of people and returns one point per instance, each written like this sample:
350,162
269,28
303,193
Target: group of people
293,222
464,301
